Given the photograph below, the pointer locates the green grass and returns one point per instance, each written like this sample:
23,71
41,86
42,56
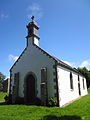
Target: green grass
78,110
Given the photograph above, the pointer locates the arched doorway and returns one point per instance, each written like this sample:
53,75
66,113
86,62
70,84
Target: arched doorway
30,89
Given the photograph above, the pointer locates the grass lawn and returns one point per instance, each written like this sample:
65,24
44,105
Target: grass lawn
78,110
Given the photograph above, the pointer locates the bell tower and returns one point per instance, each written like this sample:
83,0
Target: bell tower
32,37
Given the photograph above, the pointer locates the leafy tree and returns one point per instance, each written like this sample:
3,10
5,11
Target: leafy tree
2,77
85,72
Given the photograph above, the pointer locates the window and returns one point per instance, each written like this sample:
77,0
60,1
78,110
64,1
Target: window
79,85
71,81
78,79
83,84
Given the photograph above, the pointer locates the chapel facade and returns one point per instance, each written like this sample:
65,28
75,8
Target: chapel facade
37,75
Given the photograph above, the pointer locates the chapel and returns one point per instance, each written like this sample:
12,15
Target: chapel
38,76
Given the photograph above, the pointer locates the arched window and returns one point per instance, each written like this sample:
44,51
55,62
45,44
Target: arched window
79,85
83,84
71,81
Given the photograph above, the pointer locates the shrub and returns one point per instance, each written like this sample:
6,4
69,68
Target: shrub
51,102
6,98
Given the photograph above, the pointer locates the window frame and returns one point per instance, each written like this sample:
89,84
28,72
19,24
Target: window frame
83,83
71,81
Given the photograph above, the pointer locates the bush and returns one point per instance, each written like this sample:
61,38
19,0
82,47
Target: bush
6,98
1,87
51,102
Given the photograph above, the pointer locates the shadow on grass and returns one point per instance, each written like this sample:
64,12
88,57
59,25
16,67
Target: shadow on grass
4,103
53,117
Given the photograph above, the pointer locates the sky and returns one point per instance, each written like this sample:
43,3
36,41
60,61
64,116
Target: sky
64,30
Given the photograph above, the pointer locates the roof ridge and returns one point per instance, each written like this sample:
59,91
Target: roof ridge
59,62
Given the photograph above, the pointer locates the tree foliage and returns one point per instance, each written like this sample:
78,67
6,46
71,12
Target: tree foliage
2,77
85,72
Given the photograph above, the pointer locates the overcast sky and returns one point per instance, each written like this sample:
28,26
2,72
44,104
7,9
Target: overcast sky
64,30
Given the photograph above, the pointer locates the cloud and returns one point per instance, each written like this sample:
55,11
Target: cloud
69,63
4,16
12,57
85,63
72,64
34,10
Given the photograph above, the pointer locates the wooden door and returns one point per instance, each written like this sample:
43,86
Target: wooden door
30,89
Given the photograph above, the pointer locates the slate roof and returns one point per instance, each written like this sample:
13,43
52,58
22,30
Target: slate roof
63,64
59,62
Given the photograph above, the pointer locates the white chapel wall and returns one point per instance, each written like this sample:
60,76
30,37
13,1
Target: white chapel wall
66,94
83,88
32,61
36,41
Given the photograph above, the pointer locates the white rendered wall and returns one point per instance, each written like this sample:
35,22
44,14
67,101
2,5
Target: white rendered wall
36,41
83,90
32,61
65,93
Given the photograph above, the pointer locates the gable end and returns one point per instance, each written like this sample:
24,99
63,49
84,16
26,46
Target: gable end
18,58
44,52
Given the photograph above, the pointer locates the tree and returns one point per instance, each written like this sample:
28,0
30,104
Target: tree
85,72
2,77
